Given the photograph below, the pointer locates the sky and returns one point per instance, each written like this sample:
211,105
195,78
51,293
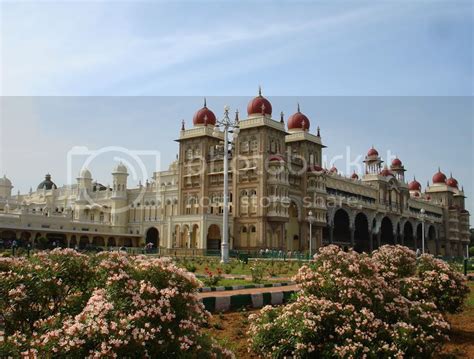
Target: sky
118,77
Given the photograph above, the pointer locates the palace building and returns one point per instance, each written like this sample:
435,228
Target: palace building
276,177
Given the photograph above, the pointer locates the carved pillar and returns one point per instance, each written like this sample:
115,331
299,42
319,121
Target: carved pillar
352,230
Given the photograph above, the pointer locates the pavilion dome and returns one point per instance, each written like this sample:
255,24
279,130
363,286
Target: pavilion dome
259,105
397,162
204,116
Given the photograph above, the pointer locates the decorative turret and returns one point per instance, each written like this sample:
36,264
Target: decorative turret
373,162
5,187
398,169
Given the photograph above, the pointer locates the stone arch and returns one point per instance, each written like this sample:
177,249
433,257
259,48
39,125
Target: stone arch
361,233
431,240
111,242
386,231
84,242
342,232
419,235
194,236
57,240
153,236
185,240
98,241
127,242
408,235
213,240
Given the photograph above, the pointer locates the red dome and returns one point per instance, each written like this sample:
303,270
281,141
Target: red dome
355,176
414,185
315,168
396,162
372,152
333,170
439,177
386,172
298,121
204,116
451,182
259,105
276,158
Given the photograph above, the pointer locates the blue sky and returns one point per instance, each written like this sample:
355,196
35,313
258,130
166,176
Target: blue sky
396,74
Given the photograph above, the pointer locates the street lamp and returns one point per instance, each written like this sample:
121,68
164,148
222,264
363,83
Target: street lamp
422,216
229,126
311,220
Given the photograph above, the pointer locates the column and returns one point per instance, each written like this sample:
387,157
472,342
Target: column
331,234
352,230
402,238
379,237
371,240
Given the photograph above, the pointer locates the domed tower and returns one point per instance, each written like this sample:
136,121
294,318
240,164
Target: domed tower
298,122
120,175
84,185
373,162
398,169
5,188
119,215
415,188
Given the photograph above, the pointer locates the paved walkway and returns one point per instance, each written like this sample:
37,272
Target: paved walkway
229,293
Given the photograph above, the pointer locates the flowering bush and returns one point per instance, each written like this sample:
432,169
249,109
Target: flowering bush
354,305
212,279
65,304
257,270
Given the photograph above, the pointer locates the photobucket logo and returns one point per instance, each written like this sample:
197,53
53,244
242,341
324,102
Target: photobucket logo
125,166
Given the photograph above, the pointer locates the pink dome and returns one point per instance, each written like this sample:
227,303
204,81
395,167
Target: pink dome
386,172
315,168
333,170
355,176
274,158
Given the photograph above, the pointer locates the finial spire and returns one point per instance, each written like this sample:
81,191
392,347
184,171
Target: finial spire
182,125
236,115
298,105
319,134
281,117
205,103
259,90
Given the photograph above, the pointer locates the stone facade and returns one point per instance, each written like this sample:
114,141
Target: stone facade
276,178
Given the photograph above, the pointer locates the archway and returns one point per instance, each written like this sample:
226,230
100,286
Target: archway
83,242
293,228
386,232
408,238
98,241
419,236
361,235
127,242
73,242
56,240
8,237
342,233
213,237
431,241
111,242
185,240
153,236
195,236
